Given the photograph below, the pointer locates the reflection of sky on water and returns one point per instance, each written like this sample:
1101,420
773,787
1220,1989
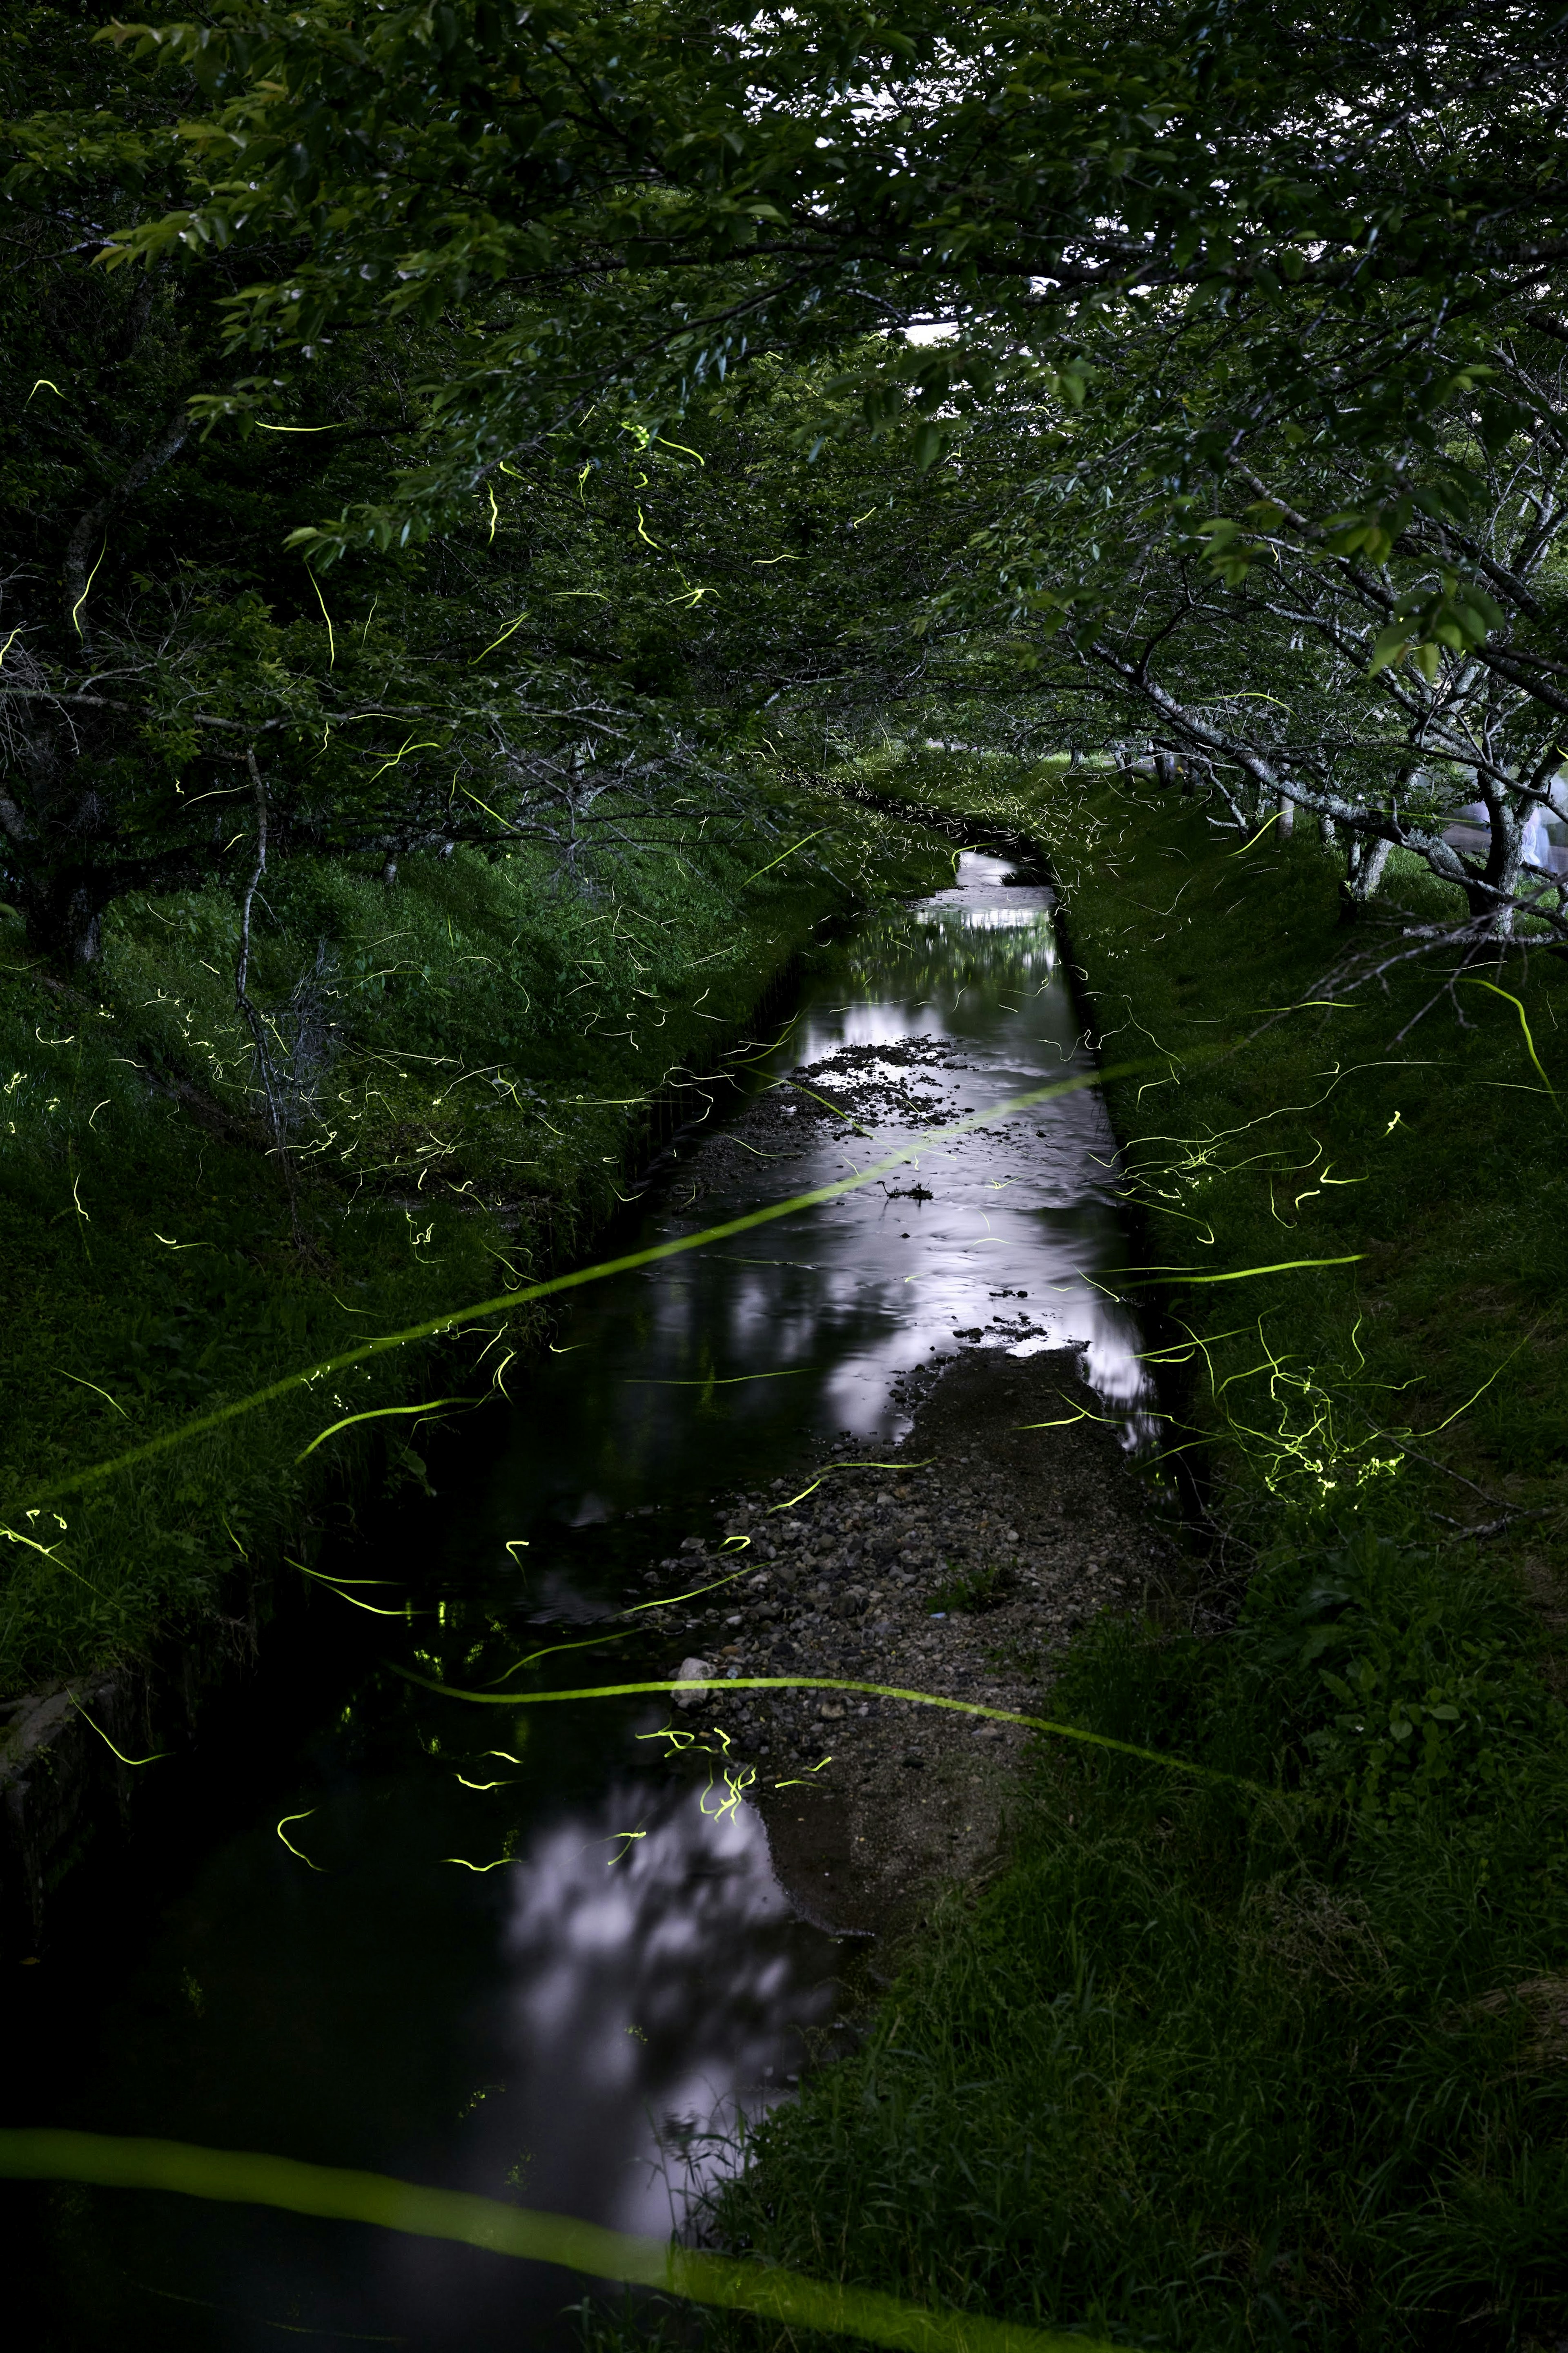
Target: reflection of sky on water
799,1329
569,2027
648,1991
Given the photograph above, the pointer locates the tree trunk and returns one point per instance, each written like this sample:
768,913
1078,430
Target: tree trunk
1501,871
65,917
1365,858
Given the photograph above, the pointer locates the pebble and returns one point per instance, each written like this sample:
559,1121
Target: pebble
696,1671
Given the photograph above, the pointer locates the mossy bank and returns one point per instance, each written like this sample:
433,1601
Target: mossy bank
470,1062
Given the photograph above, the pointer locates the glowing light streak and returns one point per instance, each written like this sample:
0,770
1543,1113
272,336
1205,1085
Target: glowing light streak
780,859
334,2193
43,384
701,1688
85,1384
292,1847
1486,1385
435,1326
500,640
49,1553
1238,1274
1474,980
410,746
91,576
669,1601
554,1650
836,1109
923,1465
736,1785
379,1413
1249,844
155,1758
332,641
490,812
334,1587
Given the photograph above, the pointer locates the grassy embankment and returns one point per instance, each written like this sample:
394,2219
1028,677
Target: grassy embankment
474,1053
1206,2068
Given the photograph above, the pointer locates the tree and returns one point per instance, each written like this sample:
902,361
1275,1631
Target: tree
1381,673
623,201
579,641
468,268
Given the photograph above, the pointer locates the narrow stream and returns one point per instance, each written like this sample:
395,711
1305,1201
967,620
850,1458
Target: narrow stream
519,1951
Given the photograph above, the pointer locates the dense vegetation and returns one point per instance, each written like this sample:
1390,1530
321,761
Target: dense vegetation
1206,2068
472,1068
477,476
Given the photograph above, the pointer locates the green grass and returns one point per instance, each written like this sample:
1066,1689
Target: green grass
475,1052
1203,2071
1200,2069
972,1588
1254,1135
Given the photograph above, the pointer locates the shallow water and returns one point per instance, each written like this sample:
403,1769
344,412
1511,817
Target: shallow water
527,1952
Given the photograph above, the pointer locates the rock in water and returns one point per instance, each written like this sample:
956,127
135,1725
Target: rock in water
696,1672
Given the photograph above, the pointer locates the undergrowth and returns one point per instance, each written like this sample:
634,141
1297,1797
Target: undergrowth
464,1065
1212,2070
1400,1135
1213,2065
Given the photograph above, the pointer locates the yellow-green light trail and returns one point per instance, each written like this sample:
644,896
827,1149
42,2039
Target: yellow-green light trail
243,2177
478,1311
702,1686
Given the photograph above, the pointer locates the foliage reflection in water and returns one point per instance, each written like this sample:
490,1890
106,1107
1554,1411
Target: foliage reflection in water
540,1960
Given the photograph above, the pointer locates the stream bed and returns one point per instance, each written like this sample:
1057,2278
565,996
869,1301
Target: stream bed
529,1952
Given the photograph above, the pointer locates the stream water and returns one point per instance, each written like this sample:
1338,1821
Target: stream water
522,1952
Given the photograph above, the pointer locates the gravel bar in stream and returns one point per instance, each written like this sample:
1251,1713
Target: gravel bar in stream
963,1571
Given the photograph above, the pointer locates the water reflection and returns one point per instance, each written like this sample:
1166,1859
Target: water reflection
798,1332
579,2020
618,2016
654,1991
